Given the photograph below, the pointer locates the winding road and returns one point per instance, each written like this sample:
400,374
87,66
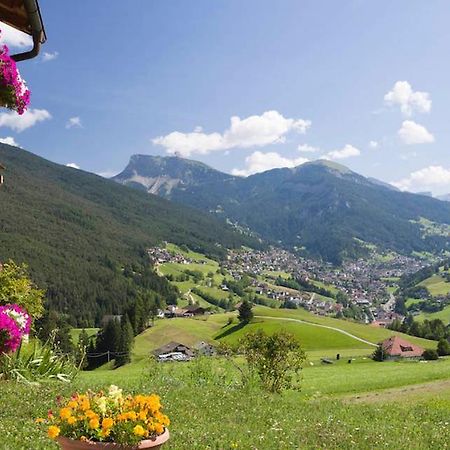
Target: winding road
289,319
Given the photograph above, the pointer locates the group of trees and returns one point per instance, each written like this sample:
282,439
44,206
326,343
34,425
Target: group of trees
225,303
114,341
433,329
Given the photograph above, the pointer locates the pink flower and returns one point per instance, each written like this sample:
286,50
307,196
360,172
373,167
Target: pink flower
15,323
13,91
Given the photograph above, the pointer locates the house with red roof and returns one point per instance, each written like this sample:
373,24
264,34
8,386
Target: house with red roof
395,348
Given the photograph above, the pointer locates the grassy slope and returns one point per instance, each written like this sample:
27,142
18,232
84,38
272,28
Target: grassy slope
436,285
369,333
310,336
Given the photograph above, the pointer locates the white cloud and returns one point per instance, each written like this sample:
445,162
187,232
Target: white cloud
253,131
74,122
26,120
73,165
413,133
429,178
373,145
9,140
49,56
346,152
305,148
409,101
260,162
14,38
107,173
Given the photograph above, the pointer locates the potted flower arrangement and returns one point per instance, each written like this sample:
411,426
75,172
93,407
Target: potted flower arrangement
109,420
13,91
14,326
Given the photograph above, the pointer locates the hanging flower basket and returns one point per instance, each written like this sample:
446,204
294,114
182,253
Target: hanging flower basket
109,421
14,94
14,326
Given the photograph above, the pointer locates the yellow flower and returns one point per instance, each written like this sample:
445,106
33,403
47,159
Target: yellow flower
71,420
72,404
139,430
105,433
39,420
101,403
158,428
142,414
107,422
53,432
94,423
65,413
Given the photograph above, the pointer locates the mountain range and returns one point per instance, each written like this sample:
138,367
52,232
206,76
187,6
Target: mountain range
321,207
84,237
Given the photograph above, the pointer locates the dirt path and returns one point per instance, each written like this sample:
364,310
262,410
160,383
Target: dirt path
318,325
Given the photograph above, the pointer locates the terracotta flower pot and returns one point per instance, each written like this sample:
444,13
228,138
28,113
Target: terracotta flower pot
70,444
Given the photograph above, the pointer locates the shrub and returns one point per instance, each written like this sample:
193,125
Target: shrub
378,354
277,359
16,287
430,354
443,347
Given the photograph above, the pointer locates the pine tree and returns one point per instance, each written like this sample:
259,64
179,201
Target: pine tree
125,342
245,312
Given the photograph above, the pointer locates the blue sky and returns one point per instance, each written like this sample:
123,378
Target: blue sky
363,83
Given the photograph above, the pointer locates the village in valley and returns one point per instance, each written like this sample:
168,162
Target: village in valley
361,290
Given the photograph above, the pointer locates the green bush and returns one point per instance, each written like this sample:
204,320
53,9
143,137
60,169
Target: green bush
277,359
443,347
430,354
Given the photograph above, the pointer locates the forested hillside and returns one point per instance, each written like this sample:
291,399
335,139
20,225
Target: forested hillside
84,237
320,206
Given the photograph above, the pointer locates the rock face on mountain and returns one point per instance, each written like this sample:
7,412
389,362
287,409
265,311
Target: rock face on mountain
161,175
321,206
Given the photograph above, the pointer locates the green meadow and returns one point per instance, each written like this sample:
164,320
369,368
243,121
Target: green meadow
362,405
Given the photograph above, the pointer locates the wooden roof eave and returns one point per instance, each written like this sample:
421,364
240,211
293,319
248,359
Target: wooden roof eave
25,16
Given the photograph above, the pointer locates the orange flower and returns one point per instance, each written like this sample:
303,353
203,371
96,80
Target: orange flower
94,423
53,432
159,428
65,413
107,422
91,414
72,404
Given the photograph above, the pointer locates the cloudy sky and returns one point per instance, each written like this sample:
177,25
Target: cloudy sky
244,86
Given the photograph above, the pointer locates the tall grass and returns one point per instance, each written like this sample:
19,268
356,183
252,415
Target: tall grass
37,362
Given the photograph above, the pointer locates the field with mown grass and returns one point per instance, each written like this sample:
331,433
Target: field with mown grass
369,333
362,405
